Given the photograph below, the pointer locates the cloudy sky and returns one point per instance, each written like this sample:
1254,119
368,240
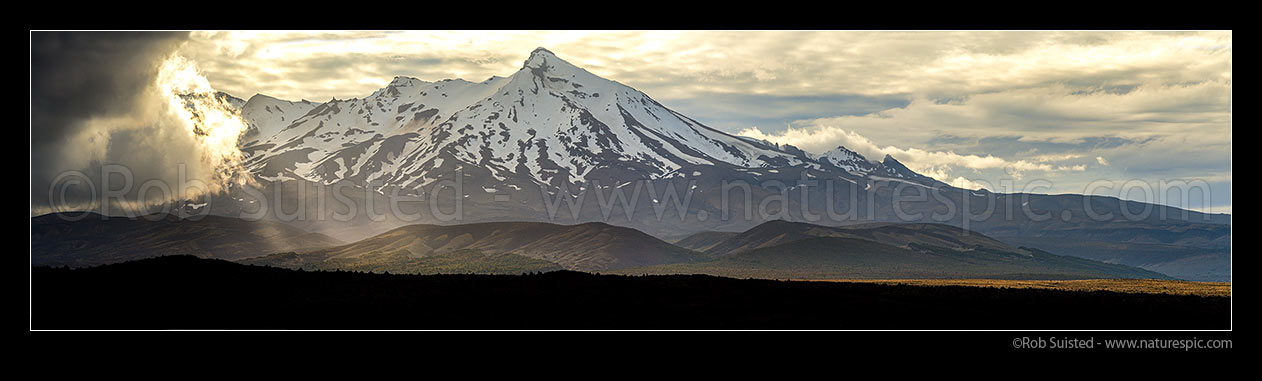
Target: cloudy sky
1050,112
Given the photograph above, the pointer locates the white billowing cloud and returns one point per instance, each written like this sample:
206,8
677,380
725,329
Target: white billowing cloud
936,164
176,133
1102,160
1055,157
963,183
205,118
819,140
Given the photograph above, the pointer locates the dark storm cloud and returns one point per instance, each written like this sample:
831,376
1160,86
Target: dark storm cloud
77,77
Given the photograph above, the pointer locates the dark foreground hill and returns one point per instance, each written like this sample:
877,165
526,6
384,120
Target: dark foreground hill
773,250
795,250
92,239
186,292
850,258
592,246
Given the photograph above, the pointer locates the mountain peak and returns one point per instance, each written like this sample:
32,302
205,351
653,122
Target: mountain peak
542,60
538,58
263,101
550,123
541,50
844,158
892,167
260,97
400,80
846,151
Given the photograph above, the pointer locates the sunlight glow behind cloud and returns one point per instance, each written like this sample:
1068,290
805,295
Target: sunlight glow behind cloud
208,120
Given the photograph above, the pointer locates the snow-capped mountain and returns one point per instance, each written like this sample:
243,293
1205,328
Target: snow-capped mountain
848,160
550,123
265,116
854,163
520,143
550,127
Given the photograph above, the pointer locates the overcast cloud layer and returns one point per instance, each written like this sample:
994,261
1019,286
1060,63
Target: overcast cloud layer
970,108
973,109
